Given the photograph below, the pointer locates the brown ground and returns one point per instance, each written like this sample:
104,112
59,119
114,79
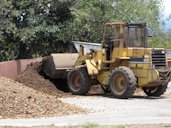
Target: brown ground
18,101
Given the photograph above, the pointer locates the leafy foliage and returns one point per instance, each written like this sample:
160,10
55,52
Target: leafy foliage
92,15
33,27
163,40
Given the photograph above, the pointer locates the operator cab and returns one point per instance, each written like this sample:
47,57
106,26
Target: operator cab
124,35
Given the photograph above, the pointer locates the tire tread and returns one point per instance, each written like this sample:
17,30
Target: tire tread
132,82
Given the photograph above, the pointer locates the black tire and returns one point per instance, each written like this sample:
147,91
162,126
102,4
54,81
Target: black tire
122,82
155,91
78,81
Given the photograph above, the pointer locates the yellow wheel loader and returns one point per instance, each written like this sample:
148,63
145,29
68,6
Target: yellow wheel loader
120,64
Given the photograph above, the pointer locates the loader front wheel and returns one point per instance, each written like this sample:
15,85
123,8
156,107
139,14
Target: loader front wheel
155,91
122,82
78,81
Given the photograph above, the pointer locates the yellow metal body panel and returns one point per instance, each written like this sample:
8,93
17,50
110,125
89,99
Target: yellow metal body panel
81,60
142,81
130,52
91,67
146,76
144,72
103,77
153,76
136,65
98,55
119,52
98,58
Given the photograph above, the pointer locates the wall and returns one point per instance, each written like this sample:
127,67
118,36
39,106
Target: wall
12,68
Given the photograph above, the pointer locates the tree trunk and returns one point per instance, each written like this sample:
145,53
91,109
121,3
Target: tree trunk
24,52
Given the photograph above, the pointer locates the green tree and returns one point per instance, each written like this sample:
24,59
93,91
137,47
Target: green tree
162,40
90,16
7,29
34,27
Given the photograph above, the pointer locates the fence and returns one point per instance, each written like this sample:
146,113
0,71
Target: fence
12,68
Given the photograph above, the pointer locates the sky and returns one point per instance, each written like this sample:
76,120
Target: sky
167,11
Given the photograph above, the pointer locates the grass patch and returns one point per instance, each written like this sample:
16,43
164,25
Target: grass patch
90,125
94,125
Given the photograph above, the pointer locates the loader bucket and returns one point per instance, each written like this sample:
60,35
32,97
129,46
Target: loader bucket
87,46
57,65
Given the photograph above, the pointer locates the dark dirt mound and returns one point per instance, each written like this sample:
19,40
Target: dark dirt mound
34,78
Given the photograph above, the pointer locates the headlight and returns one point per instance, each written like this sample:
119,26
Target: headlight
146,58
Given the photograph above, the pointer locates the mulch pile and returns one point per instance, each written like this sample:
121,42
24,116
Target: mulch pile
20,101
33,78
31,95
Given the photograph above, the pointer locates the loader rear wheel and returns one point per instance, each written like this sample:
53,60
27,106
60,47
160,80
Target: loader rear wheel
78,81
155,91
122,82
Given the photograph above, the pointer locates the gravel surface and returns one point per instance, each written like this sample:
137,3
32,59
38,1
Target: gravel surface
19,101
